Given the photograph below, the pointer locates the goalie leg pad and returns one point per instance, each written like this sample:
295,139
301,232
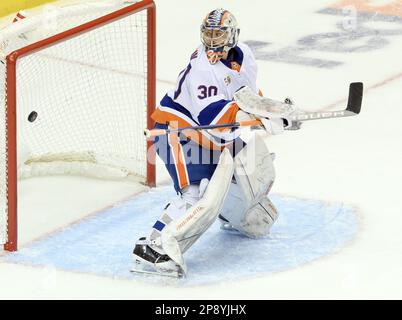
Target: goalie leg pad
247,207
181,234
149,256
259,218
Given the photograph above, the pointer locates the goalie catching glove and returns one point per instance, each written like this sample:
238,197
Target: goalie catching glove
274,115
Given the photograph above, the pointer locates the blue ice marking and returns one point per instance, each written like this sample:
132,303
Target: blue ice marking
305,231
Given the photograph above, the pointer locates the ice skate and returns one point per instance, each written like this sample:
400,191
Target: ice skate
150,261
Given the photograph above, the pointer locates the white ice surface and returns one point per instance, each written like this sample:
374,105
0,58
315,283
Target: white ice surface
356,161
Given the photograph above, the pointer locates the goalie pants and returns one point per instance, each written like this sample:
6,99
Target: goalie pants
186,161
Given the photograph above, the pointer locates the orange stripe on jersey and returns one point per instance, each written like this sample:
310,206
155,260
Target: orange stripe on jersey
229,116
165,117
179,161
176,122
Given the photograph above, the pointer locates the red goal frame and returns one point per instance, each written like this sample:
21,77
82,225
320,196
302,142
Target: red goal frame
11,98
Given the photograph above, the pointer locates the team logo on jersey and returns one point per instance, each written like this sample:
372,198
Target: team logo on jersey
227,80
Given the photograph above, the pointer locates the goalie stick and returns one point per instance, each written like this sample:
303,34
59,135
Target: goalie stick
353,108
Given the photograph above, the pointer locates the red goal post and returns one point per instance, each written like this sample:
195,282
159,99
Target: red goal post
13,89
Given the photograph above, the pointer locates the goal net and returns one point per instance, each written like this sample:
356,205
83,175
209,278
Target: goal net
77,89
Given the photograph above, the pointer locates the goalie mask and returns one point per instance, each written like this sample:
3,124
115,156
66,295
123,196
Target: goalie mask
219,33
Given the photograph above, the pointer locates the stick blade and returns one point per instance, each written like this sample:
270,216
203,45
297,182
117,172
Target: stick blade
355,97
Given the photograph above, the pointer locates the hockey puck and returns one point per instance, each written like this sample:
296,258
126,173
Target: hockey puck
32,116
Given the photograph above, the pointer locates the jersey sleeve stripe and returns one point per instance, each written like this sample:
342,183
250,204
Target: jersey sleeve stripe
176,121
209,113
168,102
222,111
229,116
165,115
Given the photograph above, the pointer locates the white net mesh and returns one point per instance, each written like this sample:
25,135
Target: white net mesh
89,93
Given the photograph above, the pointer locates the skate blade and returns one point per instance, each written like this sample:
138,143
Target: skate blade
140,266
175,275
